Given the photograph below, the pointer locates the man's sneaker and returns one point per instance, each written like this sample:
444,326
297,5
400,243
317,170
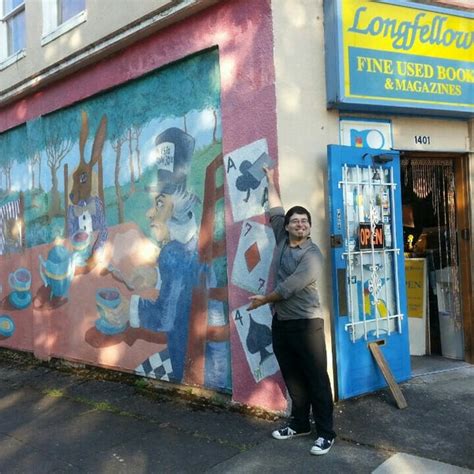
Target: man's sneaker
287,433
322,446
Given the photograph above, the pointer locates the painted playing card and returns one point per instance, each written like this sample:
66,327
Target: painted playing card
253,258
247,191
255,334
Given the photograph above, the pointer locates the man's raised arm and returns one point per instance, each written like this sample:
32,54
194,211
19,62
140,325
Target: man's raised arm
274,199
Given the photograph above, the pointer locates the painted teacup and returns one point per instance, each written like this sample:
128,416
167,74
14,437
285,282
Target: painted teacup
80,242
113,314
20,279
7,326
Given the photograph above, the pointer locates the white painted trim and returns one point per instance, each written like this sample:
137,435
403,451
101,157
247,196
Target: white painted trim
12,59
3,41
63,27
11,13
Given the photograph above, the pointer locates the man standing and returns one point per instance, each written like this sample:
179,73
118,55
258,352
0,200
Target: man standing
298,327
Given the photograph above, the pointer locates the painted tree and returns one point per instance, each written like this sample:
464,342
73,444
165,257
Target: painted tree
35,145
209,95
35,161
61,131
140,113
172,92
6,167
129,136
6,160
192,84
12,150
136,132
116,133
120,108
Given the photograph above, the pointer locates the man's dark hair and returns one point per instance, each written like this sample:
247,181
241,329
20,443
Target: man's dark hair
296,210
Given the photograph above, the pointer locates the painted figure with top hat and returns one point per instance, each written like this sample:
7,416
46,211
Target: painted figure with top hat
173,225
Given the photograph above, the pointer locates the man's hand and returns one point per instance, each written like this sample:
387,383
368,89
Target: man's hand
256,301
270,173
273,195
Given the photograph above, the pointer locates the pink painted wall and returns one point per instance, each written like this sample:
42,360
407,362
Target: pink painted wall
242,30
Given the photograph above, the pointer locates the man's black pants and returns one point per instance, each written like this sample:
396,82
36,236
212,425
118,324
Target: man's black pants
300,349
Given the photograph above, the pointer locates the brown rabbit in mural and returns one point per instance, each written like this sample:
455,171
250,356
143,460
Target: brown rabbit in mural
86,212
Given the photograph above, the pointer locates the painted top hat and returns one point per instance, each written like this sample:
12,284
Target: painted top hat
174,149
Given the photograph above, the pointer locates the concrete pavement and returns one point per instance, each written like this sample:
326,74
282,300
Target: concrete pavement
54,421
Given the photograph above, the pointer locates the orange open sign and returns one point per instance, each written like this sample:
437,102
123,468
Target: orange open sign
367,237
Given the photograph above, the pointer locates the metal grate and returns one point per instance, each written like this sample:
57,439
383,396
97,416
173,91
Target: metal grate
372,284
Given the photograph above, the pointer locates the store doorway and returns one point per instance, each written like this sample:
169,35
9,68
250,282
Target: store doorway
434,187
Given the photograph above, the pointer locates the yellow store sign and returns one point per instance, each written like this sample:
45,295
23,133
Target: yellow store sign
399,54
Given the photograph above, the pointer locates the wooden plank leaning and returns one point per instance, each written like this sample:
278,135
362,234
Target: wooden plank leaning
383,366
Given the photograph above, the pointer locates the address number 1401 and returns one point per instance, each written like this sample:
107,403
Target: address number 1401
422,140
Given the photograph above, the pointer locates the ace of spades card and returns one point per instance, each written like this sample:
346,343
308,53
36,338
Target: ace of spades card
253,258
246,182
254,329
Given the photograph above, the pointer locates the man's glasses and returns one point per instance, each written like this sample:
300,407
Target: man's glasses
299,221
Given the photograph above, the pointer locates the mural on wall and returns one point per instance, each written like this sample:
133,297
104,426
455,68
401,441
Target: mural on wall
250,268
117,207
12,152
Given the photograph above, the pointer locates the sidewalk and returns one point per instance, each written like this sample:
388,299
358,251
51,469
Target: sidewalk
54,421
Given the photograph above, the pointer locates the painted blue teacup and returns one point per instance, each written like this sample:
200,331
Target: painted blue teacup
80,242
20,279
107,298
7,326
112,315
20,283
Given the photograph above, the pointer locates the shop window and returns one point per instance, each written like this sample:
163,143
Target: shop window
12,31
61,16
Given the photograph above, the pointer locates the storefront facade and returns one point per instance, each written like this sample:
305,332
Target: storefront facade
133,223
345,95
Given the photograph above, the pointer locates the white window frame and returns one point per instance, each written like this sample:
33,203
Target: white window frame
51,29
6,59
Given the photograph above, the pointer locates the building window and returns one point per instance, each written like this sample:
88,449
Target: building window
12,31
60,16
69,8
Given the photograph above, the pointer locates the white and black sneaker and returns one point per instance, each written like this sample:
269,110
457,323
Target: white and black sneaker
322,446
287,433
